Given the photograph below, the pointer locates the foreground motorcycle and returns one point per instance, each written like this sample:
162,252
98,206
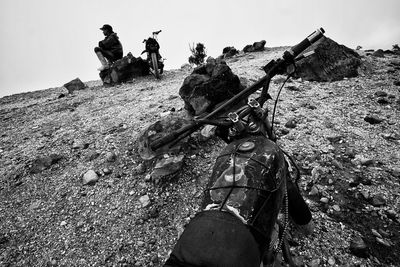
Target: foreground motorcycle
154,58
253,189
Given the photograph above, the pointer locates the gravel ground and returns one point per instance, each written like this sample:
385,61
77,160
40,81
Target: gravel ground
48,142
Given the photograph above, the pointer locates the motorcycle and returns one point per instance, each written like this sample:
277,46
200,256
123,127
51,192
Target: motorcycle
241,176
154,58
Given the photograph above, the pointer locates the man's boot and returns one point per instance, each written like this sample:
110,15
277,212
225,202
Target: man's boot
103,61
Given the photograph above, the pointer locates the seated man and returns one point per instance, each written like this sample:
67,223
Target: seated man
110,49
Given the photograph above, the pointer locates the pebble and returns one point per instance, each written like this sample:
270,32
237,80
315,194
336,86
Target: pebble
358,247
314,191
372,119
90,177
290,123
324,200
331,261
144,201
140,169
63,223
106,171
147,178
366,162
378,200
375,233
79,144
383,242
111,156
336,207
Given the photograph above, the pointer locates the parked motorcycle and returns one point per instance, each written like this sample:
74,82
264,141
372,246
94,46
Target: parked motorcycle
253,180
154,58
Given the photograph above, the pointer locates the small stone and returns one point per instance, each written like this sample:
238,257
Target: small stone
366,162
106,171
79,144
331,261
165,114
315,263
324,200
291,123
358,247
284,131
92,155
372,119
383,100
207,132
365,194
314,191
147,178
140,169
90,177
144,201
63,223
336,208
378,200
375,233
334,138
383,242
380,93
111,156
383,233
391,214
140,243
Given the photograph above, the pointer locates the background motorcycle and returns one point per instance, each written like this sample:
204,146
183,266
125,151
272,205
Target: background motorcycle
154,58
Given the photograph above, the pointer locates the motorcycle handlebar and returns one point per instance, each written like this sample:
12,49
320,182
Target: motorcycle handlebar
293,52
303,45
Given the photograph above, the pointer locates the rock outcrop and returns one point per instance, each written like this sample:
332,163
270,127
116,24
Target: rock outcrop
330,62
229,51
75,85
209,85
256,46
124,70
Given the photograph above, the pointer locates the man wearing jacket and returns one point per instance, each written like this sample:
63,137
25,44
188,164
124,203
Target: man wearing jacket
109,49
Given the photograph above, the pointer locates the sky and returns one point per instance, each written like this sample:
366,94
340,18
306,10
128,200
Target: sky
47,43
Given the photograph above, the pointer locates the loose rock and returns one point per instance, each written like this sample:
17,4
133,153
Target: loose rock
90,177
144,201
358,247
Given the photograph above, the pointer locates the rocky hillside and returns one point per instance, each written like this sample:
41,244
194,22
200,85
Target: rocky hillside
345,136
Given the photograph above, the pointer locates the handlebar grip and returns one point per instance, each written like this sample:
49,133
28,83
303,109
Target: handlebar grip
312,38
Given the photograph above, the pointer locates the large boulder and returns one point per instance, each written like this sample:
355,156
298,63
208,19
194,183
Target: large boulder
256,46
209,85
75,85
159,129
330,62
229,51
125,69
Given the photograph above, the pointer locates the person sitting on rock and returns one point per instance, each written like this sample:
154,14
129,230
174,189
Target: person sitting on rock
109,49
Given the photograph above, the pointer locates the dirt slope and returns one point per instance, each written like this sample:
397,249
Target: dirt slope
49,218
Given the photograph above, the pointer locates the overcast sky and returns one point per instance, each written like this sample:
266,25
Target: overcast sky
46,43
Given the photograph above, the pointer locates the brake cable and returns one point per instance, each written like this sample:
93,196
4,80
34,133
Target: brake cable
276,102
